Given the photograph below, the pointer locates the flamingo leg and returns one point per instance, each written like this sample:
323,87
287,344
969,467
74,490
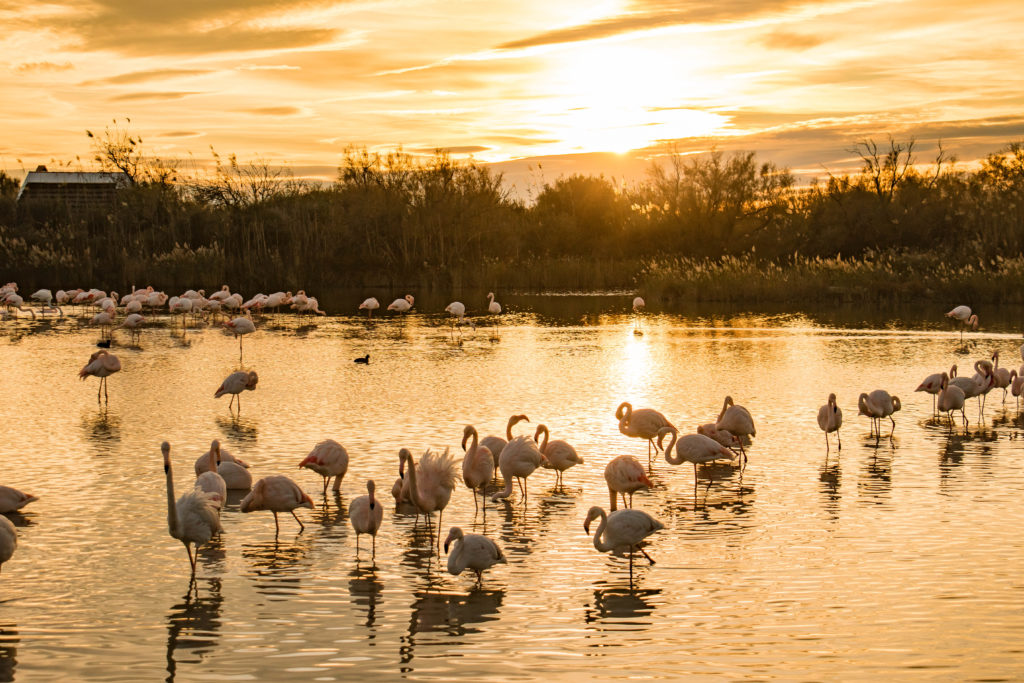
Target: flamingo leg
191,559
302,527
357,546
840,440
644,553
893,425
374,544
277,526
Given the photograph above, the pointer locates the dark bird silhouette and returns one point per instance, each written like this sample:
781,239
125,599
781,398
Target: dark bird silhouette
365,360
105,344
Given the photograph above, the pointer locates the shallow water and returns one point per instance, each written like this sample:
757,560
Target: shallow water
897,558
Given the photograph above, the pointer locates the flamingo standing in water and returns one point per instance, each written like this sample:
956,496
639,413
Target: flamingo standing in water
518,459
625,475
457,310
623,531
638,306
234,472
194,519
965,317
8,540
876,405
494,308
214,484
277,493
1000,376
496,444
235,384
402,305
830,419
951,397
370,305
366,514
218,457
693,448
559,455
101,364
12,500
328,459
472,551
642,423
933,383
133,323
240,326
737,421
477,464
431,482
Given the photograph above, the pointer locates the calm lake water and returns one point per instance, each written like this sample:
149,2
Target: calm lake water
896,559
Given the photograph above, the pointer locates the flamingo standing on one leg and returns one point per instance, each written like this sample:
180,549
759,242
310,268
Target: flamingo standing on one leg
194,519
965,317
623,531
370,305
366,514
472,551
235,384
240,326
101,364
693,448
625,475
277,493
403,305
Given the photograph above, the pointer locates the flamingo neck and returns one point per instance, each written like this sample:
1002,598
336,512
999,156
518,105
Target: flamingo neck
172,511
671,457
598,541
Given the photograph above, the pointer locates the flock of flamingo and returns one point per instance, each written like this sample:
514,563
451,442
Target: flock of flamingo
427,485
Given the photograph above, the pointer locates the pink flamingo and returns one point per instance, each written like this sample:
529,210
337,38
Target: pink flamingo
477,465
642,423
559,455
328,459
625,475
101,364
277,493
366,514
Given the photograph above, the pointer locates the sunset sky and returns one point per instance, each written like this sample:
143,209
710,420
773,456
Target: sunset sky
540,88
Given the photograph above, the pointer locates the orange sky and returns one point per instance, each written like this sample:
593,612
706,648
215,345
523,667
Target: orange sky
538,88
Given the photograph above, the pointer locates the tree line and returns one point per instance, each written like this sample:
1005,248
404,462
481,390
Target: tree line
398,220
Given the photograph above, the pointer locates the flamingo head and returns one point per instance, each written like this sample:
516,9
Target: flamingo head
469,431
453,535
624,409
592,514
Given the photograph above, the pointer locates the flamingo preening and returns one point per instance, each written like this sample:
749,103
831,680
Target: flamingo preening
240,326
625,475
965,317
328,459
876,405
472,551
431,482
277,493
370,305
101,364
235,384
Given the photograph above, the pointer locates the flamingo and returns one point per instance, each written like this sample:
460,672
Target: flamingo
951,397
692,448
221,294
277,493
642,423
431,487
559,455
194,519
638,305
12,499
240,326
235,384
401,305
494,308
213,483
8,540
328,459
370,305
181,306
1000,376
519,458
722,436
43,296
366,513
477,465
830,419
101,364
458,311
104,319
496,444
966,318
1017,385
133,323
216,455
623,531
13,301
932,383
737,421
472,551
625,475
876,405
311,306
976,386
234,472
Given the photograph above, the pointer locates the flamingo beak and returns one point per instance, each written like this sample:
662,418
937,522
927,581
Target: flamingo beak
447,541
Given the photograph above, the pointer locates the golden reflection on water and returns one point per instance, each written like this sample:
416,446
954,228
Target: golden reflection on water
798,565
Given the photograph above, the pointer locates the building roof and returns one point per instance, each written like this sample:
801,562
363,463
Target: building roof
42,177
